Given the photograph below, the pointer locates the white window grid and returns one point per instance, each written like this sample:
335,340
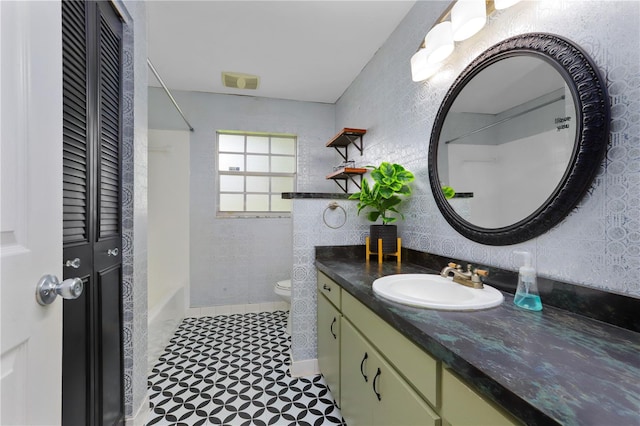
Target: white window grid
270,173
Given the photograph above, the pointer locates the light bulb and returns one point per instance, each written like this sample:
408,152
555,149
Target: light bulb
439,42
467,18
421,69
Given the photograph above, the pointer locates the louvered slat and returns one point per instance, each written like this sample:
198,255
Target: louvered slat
75,220
109,211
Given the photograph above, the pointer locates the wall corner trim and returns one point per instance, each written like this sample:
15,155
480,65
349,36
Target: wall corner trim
307,367
142,414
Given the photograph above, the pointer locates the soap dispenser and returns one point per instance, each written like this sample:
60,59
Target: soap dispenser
527,296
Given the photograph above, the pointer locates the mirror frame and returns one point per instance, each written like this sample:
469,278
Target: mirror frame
591,102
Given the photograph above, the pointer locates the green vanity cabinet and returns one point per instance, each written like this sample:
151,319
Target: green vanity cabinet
329,289
329,324
357,396
379,377
462,406
416,366
373,393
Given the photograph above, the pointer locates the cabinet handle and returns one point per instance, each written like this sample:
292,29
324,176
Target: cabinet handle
326,287
374,385
366,355
75,263
331,328
112,252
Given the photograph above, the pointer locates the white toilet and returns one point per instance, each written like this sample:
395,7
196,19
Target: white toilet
283,289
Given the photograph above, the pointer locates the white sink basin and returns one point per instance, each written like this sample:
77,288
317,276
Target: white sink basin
435,292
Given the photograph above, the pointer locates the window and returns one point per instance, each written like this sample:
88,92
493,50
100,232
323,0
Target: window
254,169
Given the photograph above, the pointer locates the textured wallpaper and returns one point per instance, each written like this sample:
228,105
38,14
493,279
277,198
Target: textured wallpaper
597,245
134,206
310,230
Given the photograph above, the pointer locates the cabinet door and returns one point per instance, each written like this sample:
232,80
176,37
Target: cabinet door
329,345
358,399
397,404
373,393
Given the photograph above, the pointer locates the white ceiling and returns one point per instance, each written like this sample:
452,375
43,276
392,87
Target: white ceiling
500,87
301,50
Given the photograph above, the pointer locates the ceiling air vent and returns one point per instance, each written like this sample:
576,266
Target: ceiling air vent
240,81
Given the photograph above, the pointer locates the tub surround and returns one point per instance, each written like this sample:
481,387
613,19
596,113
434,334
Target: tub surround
553,366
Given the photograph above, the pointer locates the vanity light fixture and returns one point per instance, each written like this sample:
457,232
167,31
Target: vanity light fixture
467,17
421,69
439,42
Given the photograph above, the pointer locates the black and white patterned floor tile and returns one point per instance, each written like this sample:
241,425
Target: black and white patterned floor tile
234,370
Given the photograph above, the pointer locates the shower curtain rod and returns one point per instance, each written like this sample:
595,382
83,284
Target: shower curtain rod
168,93
506,119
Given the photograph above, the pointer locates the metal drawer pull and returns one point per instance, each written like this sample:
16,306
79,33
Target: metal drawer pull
113,252
326,287
331,328
374,385
366,355
75,263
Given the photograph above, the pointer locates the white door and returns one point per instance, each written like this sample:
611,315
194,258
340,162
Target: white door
31,210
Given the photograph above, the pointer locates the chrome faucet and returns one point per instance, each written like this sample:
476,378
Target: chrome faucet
469,278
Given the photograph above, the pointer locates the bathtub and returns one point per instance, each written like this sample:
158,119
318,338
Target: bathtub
162,321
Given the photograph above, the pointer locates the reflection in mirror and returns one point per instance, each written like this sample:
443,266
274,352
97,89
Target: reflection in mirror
519,136
507,141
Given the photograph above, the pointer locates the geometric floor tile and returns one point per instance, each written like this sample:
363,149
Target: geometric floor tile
234,370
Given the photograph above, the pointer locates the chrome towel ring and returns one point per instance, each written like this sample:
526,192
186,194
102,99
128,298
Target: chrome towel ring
333,206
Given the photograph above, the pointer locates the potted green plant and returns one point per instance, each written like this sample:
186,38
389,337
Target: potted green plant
390,181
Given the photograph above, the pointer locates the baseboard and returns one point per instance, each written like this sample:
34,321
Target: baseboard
142,415
237,309
307,367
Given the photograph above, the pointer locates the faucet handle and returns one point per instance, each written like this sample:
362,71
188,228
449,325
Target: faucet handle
482,272
452,265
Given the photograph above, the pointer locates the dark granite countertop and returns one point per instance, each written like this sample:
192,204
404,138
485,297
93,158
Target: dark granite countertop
548,367
314,195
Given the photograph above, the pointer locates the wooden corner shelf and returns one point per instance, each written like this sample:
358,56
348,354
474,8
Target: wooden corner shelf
346,137
347,174
340,143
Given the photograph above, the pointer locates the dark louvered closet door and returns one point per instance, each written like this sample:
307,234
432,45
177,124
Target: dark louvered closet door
77,364
92,332
108,244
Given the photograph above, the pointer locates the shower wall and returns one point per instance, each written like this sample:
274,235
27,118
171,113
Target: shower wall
237,261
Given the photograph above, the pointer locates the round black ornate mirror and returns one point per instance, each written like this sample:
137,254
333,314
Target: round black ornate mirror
519,136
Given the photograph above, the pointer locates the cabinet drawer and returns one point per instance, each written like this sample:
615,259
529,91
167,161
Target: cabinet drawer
416,366
330,289
462,406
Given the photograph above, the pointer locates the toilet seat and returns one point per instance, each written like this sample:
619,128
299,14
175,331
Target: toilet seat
283,289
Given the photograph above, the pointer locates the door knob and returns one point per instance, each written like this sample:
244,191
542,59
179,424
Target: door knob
49,287
112,252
